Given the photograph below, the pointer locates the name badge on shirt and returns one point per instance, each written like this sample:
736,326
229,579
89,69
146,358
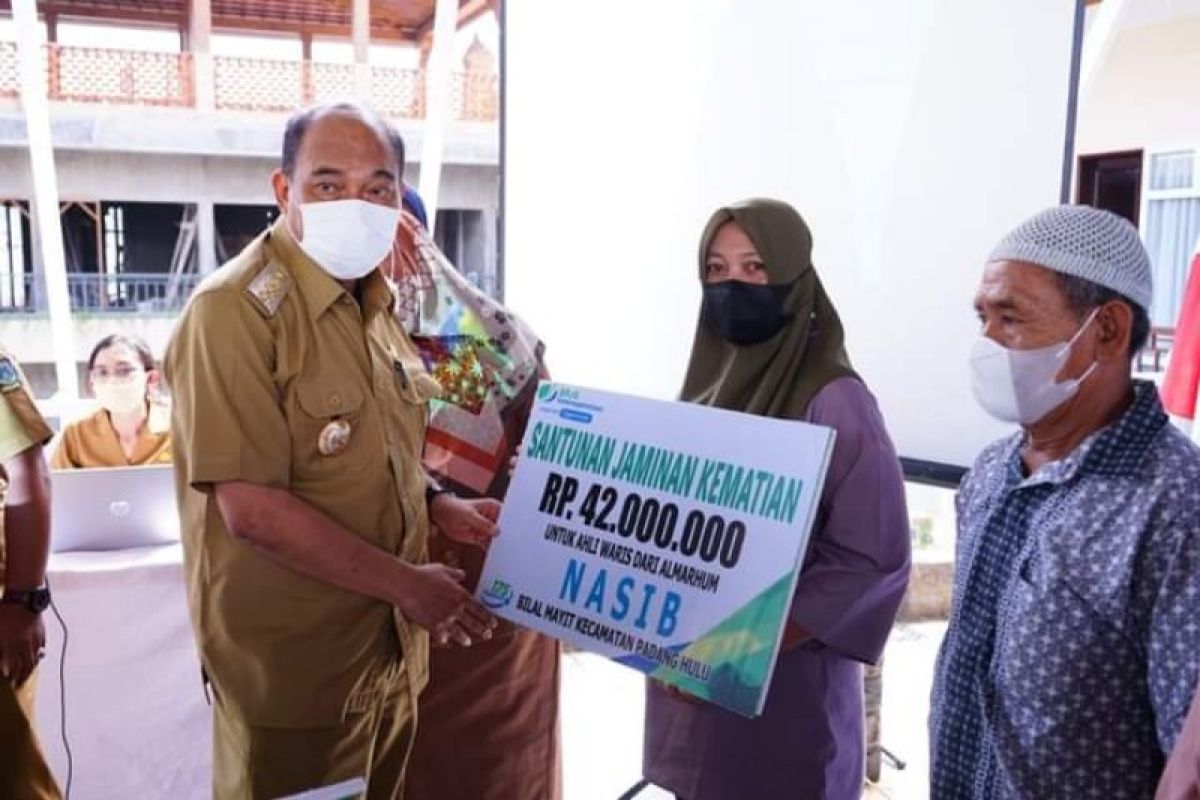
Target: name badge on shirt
334,437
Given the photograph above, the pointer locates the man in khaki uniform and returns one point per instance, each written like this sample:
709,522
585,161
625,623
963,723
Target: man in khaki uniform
24,551
298,421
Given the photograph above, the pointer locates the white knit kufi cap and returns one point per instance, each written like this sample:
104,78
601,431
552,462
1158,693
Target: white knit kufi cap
1086,242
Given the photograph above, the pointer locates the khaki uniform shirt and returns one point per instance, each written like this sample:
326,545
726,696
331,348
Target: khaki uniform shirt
21,427
270,355
93,442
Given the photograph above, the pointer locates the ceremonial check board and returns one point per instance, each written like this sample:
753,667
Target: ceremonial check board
665,536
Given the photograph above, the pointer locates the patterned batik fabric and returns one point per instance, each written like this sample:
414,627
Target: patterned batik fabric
485,359
1074,639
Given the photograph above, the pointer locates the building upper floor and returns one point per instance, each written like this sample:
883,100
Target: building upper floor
219,76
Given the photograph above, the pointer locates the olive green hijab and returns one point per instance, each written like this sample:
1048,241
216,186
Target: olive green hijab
780,376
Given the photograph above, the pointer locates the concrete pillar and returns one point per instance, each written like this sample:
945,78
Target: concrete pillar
490,243
360,34
1098,43
437,104
308,89
45,194
54,68
200,44
472,251
37,264
206,237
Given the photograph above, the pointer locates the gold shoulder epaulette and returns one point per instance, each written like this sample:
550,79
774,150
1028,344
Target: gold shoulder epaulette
269,287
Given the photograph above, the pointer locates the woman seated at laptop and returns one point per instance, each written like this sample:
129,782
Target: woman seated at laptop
129,429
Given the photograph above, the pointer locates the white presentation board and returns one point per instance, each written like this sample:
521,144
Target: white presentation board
674,554
910,135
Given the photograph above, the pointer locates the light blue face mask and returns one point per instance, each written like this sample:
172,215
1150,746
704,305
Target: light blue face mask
1022,385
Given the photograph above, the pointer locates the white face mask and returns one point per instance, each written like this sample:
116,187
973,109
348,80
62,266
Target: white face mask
124,397
1020,385
348,238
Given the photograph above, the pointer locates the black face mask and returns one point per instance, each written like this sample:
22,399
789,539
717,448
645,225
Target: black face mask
744,313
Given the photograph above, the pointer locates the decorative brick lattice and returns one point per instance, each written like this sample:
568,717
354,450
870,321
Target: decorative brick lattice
480,96
401,93
127,77
398,92
10,73
132,77
255,84
330,82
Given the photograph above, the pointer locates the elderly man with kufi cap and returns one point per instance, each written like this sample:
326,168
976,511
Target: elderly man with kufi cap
1074,640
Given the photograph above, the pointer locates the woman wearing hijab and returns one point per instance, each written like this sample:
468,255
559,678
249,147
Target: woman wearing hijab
769,342
489,716
129,430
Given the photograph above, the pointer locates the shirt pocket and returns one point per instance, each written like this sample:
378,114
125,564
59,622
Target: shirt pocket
330,428
414,383
416,388
1051,637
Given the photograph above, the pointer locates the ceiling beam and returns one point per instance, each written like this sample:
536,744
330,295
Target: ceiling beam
378,34
73,12
163,15
468,10
473,11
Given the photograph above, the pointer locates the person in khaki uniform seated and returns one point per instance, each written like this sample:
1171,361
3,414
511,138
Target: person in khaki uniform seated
129,430
299,410
24,551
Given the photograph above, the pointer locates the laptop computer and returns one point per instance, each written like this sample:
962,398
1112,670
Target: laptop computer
112,508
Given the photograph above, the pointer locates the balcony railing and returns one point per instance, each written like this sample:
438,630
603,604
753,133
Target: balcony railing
130,292
10,76
326,82
143,78
398,92
478,96
91,293
259,84
125,77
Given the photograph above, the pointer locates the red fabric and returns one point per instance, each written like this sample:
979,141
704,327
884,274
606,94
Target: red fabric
1183,373
481,458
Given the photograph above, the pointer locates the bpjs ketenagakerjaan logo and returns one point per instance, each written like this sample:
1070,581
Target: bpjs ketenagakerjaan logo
499,595
566,403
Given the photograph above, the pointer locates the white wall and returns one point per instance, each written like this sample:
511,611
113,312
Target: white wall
910,135
1148,91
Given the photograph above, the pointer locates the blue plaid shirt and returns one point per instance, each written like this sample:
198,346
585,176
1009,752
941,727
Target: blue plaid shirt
1074,640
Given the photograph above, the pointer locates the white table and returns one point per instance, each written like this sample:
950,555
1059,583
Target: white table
136,716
